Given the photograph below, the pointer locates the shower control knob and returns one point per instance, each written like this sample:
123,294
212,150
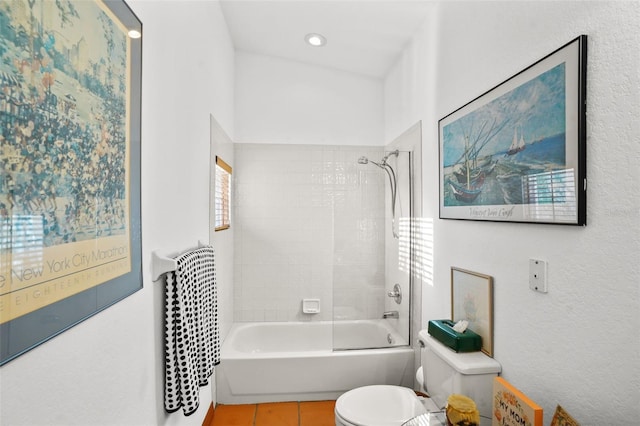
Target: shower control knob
396,294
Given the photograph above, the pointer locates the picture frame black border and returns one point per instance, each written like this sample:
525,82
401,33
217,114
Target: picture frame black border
581,133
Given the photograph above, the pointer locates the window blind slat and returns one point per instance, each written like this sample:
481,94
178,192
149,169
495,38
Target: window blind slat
222,195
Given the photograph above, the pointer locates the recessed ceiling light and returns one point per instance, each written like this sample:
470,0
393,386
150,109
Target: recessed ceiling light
134,34
315,40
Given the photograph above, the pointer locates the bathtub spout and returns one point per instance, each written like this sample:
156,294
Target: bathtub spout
391,314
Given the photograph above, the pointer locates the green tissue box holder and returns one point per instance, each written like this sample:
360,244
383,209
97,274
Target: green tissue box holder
442,331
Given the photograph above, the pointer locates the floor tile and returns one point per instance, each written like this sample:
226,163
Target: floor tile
234,415
277,414
317,413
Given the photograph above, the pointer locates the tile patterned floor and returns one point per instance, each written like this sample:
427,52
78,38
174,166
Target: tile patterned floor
311,413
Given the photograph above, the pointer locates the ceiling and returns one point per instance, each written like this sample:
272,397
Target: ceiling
363,36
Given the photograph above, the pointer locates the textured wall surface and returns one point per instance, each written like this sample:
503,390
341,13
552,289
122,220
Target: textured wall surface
578,344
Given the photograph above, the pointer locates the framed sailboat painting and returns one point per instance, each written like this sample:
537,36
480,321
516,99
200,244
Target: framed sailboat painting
517,153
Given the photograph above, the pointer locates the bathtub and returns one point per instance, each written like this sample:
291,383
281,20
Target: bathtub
294,361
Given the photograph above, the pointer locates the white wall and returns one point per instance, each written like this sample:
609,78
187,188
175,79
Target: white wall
578,344
109,369
285,102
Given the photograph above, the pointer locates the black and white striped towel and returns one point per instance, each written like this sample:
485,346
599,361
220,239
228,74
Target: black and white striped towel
191,329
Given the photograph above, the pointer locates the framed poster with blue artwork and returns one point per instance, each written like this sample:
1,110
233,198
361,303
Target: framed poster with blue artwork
70,75
517,153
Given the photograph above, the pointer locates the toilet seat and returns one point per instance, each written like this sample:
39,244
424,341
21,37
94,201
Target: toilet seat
378,405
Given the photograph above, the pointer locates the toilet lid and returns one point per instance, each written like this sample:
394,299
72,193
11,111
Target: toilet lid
379,405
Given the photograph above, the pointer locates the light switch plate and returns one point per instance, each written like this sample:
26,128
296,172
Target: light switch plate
538,275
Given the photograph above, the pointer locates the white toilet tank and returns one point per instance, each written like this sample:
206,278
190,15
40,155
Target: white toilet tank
446,372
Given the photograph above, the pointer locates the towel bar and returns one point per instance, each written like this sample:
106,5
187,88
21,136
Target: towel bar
161,264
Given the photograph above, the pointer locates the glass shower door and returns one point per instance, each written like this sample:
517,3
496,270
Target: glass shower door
371,285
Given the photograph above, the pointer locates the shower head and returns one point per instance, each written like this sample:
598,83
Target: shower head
365,160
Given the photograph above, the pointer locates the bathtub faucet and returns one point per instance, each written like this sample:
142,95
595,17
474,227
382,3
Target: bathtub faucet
391,314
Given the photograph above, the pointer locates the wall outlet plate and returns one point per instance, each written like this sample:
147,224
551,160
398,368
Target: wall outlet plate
538,275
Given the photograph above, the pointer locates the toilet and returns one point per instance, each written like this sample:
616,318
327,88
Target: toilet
442,373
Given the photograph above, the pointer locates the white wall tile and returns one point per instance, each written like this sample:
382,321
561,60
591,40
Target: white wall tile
301,211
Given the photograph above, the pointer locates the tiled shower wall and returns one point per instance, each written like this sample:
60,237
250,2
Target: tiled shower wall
309,223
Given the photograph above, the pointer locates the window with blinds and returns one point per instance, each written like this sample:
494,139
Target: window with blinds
223,195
